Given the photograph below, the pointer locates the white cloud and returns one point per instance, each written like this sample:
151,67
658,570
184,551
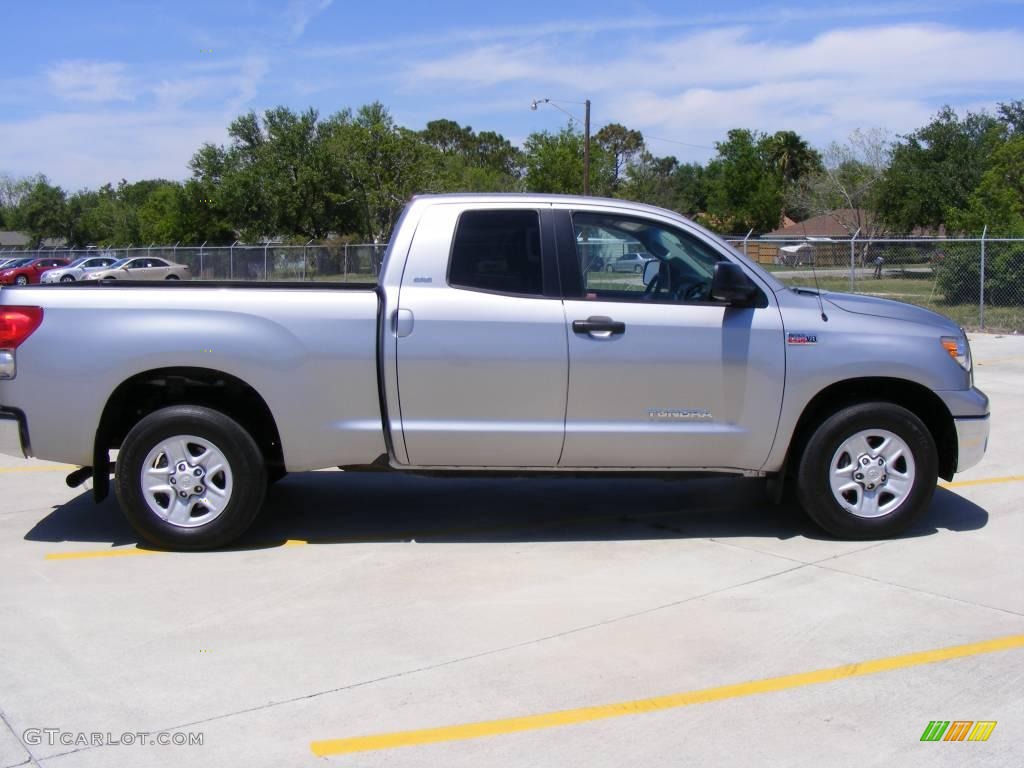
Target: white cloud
79,150
299,13
696,86
154,136
90,81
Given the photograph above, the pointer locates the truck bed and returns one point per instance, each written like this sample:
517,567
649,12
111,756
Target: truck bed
321,336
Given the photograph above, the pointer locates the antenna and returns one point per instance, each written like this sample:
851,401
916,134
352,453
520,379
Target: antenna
817,288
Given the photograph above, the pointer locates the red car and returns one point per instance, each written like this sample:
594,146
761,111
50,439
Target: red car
28,271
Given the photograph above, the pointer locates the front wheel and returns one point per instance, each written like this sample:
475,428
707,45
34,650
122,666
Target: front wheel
189,477
21,280
172,277
868,471
67,279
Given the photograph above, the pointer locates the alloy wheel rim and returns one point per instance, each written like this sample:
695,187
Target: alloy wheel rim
872,473
186,481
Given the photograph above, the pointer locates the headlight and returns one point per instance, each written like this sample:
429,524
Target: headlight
959,349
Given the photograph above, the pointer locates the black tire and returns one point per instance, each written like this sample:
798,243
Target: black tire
172,277
21,280
815,492
67,279
247,470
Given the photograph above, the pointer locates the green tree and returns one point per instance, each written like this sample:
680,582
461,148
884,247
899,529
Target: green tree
667,183
162,216
998,201
276,177
42,212
744,184
792,156
936,168
553,163
621,146
381,165
12,191
469,162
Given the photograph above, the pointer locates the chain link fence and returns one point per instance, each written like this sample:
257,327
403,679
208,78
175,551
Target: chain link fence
356,263
979,282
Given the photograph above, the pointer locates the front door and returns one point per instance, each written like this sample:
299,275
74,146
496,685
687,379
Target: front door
662,376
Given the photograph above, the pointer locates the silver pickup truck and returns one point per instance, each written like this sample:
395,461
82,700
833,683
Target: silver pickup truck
491,344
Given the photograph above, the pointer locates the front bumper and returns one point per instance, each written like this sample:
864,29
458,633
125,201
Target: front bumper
14,434
972,440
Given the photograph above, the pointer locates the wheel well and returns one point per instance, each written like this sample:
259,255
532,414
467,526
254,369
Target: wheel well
917,399
147,392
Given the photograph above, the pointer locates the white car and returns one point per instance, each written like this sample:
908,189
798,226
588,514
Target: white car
77,269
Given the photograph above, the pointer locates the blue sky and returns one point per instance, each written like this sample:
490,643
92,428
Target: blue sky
94,91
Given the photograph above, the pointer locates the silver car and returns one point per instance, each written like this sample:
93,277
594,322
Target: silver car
630,262
77,270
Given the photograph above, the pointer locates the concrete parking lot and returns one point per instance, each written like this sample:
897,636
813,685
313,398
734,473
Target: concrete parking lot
582,622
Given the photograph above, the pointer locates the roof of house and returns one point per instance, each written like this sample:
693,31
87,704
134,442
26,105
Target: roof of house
834,224
12,239
841,224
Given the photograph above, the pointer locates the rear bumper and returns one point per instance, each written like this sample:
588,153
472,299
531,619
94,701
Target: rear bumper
14,433
972,440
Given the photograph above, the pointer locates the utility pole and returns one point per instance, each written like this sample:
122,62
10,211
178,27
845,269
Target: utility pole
586,132
586,148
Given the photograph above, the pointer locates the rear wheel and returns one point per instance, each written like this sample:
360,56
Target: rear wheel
189,477
868,471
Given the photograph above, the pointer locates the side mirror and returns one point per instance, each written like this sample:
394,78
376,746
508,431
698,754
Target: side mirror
651,270
731,285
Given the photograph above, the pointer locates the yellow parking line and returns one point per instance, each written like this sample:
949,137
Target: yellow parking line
983,481
656,704
90,554
51,468
136,550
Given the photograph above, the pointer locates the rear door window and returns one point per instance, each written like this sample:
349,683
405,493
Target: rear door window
497,250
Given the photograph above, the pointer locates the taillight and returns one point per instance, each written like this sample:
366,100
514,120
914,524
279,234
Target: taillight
17,324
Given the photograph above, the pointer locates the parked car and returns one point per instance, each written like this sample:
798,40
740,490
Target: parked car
142,268
484,349
630,262
78,269
29,271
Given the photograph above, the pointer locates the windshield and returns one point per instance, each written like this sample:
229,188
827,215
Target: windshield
119,263
19,263
78,262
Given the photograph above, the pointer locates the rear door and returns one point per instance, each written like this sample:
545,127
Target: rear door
660,375
482,358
